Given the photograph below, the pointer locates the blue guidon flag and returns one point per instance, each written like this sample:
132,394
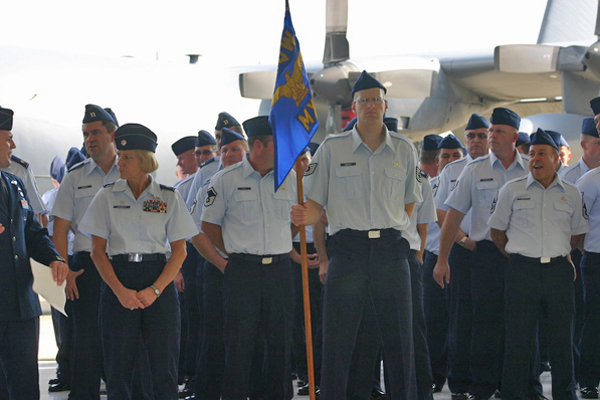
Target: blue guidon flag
293,116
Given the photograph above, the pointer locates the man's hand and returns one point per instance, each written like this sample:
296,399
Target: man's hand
299,214
313,261
59,271
1,228
146,297
129,298
441,273
323,267
179,283
71,289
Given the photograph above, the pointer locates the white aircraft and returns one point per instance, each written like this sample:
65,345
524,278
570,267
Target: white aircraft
550,82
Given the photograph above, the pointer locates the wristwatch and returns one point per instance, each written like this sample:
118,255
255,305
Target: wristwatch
463,241
156,291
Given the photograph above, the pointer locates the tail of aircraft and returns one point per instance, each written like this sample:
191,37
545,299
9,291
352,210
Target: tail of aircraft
569,21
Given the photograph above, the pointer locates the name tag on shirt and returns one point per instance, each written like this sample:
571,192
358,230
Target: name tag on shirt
486,180
244,188
84,187
121,207
349,164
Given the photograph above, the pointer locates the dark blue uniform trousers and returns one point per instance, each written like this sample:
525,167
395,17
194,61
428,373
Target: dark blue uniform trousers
257,300
157,326
589,368
191,314
363,270
535,291
436,319
18,355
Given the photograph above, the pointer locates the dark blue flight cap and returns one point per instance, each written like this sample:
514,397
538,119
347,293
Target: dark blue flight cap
431,142
555,136
184,144
588,127
6,119
228,136
367,81
112,114
595,104
504,116
450,142
204,139
523,138
543,137
57,168
75,156
350,124
135,137
391,123
257,126
477,122
95,113
313,147
563,142
225,120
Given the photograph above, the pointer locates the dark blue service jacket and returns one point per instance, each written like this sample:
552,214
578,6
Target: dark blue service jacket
22,238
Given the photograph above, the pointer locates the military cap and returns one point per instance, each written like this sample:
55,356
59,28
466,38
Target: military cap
450,142
57,168
595,105
563,142
112,114
543,137
6,119
228,136
257,126
204,139
75,156
555,136
523,139
95,113
476,121
135,137
391,123
430,142
367,81
184,144
588,127
313,147
225,120
504,116
350,124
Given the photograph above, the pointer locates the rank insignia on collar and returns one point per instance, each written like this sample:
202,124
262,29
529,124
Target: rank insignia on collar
157,206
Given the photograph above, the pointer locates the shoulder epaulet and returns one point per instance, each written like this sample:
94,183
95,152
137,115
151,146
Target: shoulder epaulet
480,159
79,165
206,182
165,187
19,161
337,136
205,163
109,184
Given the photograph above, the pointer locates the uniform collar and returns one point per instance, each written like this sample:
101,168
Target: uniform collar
583,166
357,141
153,189
247,170
518,160
93,166
556,182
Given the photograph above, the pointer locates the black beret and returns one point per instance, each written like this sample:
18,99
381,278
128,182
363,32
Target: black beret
95,113
257,126
588,127
135,137
542,137
391,123
350,124
477,122
225,120
184,144
228,136
430,142
6,119
204,139
367,81
504,116
450,142
57,168
523,138
595,104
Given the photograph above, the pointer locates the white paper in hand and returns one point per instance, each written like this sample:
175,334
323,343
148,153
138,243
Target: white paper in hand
44,285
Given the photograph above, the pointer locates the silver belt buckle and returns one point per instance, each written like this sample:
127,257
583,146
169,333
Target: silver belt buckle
134,257
374,234
267,260
545,260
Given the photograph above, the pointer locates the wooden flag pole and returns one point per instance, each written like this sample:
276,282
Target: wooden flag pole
305,289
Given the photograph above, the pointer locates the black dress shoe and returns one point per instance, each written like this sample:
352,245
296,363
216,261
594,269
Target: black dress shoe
186,392
538,396
192,397
377,394
59,387
305,390
476,397
53,381
589,392
301,382
436,388
459,396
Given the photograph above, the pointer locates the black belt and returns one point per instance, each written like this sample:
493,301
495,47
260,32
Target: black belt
370,234
139,257
265,259
538,260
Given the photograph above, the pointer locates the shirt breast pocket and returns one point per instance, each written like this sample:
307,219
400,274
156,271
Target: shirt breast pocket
348,182
394,182
563,214
283,203
486,193
247,204
522,212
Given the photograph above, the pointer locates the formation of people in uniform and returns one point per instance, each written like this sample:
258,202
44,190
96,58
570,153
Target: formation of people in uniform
471,266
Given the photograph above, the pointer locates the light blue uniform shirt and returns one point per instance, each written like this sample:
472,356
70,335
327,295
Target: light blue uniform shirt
539,222
589,186
447,179
253,218
572,173
477,188
18,168
206,171
77,189
184,186
432,243
146,225
424,213
362,189
49,198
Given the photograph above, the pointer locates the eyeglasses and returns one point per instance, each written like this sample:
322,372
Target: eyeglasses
374,100
203,153
480,135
